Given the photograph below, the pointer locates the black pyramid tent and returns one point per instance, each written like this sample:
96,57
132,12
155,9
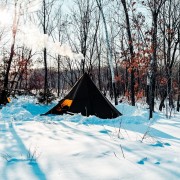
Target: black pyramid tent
85,98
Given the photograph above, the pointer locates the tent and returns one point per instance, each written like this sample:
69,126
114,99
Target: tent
3,97
85,98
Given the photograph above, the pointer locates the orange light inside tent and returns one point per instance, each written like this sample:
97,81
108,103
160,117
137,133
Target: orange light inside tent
8,99
66,102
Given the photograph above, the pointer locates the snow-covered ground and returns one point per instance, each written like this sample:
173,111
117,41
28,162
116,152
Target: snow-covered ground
34,147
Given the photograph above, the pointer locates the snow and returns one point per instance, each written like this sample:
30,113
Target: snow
77,147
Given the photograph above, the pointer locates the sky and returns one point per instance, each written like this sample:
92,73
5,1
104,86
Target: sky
30,35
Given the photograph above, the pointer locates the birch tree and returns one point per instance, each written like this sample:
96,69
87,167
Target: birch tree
110,55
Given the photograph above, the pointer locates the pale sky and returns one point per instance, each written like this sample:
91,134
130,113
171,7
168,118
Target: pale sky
31,36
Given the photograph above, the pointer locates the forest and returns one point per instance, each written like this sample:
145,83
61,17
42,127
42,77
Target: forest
89,89
131,49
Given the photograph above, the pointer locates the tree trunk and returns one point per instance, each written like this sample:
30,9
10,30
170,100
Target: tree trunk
178,104
14,31
110,56
131,52
6,79
153,65
45,56
58,93
99,66
45,75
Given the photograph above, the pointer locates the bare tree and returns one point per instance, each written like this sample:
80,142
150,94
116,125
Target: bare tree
46,22
110,55
155,8
169,29
131,49
16,16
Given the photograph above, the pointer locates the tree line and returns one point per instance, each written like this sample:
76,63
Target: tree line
130,48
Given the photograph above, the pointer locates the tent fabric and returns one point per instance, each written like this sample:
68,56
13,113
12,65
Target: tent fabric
85,98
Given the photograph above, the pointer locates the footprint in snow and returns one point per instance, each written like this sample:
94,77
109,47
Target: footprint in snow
160,144
104,131
157,163
142,161
167,144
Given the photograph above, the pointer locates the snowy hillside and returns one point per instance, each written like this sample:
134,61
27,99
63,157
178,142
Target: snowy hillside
34,147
